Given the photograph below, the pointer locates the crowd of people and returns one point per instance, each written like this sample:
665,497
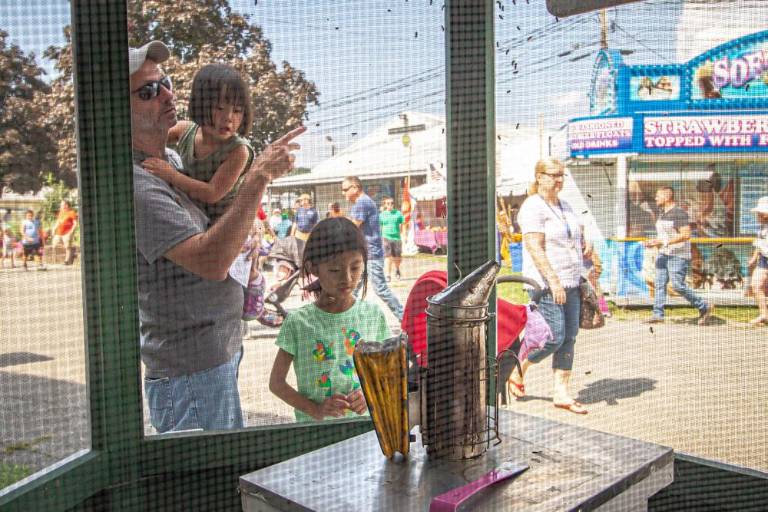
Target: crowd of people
199,230
27,240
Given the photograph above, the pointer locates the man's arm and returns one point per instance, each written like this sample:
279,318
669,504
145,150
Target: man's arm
210,254
683,235
354,211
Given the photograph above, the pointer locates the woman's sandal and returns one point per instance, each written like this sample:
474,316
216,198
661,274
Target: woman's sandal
758,321
516,390
574,407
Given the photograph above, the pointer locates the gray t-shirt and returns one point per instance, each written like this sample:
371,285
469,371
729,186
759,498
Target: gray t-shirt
668,226
188,324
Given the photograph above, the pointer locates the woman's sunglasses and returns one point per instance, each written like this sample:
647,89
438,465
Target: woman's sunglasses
151,89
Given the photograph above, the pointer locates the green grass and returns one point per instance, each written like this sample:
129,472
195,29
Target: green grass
22,446
511,292
741,314
514,293
12,473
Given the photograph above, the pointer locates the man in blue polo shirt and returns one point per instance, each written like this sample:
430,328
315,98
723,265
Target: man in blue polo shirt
306,218
365,214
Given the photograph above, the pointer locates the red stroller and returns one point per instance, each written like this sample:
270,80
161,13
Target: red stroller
511,322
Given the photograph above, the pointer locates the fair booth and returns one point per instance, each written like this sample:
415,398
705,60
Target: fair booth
700,127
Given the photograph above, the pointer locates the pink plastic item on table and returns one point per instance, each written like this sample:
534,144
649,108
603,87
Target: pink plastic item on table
451,500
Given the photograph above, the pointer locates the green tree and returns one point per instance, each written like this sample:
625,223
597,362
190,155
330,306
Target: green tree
27,151
197,32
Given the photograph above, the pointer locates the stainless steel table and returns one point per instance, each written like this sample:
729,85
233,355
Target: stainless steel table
571,468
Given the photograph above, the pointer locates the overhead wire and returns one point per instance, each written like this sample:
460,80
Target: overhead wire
504,76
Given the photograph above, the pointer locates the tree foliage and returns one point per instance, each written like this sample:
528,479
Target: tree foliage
197,32
27,151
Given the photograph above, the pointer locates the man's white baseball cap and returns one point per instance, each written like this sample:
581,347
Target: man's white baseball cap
154,50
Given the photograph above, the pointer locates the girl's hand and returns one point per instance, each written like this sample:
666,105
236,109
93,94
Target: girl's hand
357,401
333,406
160,168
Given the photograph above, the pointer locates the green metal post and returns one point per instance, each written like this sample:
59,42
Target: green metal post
471,137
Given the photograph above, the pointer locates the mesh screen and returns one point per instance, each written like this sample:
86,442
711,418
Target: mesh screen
639,130
44,412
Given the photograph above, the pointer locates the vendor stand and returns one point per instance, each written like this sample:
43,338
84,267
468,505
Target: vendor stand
699,127
571,468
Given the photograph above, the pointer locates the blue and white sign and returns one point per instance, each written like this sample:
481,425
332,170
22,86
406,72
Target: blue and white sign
607,133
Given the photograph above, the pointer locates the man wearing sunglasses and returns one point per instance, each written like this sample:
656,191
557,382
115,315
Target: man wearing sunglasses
190,300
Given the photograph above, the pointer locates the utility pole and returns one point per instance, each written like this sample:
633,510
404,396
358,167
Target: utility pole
603,29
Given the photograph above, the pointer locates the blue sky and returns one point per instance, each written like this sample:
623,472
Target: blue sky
373,59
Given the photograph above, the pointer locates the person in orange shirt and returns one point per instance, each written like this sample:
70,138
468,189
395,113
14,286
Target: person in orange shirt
64,230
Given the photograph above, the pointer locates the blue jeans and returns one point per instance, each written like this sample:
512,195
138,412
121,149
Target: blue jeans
563,321
207,400
674,268
379,282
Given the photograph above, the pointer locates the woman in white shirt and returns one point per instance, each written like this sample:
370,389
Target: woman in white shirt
759,261
552,256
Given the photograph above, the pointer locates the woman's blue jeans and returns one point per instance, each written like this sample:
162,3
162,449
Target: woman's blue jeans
563,320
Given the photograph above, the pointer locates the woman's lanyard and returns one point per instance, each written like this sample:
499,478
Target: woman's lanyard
562,218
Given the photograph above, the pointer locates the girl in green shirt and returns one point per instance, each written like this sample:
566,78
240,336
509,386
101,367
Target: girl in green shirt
320,338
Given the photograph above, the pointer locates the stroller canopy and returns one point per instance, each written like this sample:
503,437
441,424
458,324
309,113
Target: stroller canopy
511,317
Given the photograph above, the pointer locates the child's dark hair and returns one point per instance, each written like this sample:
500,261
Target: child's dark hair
215,83
329,238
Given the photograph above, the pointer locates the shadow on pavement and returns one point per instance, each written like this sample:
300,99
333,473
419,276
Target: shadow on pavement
713,320
612,390
16,358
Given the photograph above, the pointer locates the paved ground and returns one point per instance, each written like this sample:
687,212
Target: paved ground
700,390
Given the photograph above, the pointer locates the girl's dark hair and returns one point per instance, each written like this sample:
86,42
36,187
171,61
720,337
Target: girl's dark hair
331,237
215,83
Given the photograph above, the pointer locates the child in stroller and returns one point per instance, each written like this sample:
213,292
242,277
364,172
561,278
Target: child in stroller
284,258
512,319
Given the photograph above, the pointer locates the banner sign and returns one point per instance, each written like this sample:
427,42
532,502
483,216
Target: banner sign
738,72
713,132
610,133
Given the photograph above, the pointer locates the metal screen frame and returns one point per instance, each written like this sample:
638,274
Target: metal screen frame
124,470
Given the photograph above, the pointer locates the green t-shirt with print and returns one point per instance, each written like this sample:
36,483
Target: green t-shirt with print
390,224
322,344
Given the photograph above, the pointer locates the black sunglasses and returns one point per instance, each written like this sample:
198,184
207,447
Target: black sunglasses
349,187
151,89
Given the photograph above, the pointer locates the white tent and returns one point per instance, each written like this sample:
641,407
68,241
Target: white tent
382,154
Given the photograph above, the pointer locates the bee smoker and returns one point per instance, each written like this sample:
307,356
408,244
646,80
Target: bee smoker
449,398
